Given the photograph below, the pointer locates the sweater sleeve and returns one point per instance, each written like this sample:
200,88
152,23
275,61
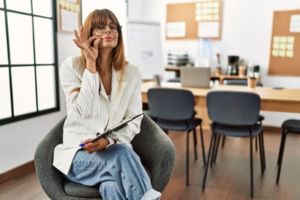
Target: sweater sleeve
84,102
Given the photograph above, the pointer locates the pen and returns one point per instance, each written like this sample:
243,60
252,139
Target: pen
82,144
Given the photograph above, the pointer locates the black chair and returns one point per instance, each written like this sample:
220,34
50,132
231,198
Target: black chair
156,150
288,126
244,83
174,110
234,114
172,80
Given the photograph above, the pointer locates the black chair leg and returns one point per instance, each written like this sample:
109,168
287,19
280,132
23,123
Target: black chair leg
256,143
261,154
214,149
281,156
263,148
217,149
223,142
280,148
195,138
187,157
195,144
251,165
208,157
202,143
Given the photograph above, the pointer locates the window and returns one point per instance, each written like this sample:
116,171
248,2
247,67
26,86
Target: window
28,61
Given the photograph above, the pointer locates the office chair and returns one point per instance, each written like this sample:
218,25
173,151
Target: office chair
234,114
153,146
288,126
172,80
244,83
174,110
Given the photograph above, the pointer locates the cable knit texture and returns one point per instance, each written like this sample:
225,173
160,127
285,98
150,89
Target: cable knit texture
90,111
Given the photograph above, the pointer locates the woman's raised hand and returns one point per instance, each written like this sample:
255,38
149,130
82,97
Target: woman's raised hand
91,51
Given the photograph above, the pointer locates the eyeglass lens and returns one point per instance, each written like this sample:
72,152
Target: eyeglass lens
102,27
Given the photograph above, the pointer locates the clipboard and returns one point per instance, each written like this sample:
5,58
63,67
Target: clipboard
115,128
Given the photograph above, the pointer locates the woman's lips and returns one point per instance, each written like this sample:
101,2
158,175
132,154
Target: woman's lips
108,38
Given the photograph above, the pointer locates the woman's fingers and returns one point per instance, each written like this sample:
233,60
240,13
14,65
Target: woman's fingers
96,42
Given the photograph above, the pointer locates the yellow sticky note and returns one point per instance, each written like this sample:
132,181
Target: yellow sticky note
283,39
198,5
291,39
216,5
210,4
209,17
203,17
290,47
62,3
275,45
198,11
276,39
198,18
289,54
209,11
204,11
67,4
215,10
275,53
216,17
77,8
282,46
205,5
282,53
72,7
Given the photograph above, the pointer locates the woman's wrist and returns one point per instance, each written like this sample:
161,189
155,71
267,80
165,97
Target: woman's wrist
91,66
110,142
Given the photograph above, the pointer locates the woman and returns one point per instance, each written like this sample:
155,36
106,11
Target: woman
102,89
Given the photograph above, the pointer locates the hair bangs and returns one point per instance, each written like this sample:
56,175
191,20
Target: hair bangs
101,16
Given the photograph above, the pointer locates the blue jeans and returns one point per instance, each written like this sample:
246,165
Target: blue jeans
119,171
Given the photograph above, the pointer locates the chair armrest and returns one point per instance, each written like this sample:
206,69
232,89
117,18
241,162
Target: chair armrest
50,178
157,152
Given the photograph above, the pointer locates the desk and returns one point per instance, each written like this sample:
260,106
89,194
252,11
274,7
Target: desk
220,77
285,100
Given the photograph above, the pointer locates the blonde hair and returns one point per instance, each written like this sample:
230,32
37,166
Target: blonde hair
118,55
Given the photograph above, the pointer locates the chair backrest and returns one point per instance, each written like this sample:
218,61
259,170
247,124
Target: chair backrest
170,103
239,82
233,108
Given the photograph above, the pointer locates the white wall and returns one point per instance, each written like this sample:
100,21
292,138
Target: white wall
246,31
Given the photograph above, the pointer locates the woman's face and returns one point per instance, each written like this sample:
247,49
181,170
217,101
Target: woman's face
108,33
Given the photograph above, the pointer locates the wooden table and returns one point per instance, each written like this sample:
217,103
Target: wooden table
285,100
220,77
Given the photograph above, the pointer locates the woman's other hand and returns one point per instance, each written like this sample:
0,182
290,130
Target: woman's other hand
97,145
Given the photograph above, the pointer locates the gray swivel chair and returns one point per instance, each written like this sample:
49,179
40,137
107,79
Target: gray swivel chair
288,126
174,110
154,147
234,114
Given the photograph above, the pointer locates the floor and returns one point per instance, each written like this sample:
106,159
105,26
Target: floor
228,179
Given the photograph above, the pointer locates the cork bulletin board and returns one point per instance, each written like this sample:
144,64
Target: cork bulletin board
69,15
285,44
196,20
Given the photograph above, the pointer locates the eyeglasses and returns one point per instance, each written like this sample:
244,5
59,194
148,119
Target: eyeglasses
101,28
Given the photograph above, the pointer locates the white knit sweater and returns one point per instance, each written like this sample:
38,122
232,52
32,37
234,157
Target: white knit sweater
90,111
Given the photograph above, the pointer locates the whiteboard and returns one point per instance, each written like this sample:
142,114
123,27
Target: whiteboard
145,48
